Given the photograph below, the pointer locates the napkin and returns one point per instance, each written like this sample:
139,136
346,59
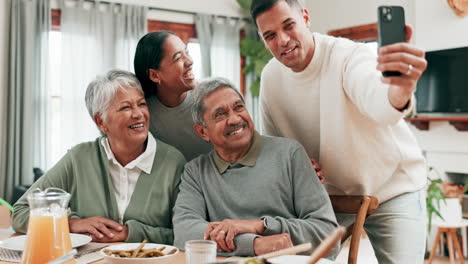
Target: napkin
89,253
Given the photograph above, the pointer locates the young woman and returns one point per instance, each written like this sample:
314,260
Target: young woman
164,68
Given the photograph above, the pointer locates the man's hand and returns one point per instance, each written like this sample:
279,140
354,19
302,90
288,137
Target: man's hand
97,226
404,58
318,170
267,244
224,232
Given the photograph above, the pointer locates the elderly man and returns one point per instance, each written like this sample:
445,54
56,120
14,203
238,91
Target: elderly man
253,194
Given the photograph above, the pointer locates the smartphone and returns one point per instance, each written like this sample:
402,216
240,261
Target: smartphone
391,28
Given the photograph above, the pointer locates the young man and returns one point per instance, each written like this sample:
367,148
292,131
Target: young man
252,194
328,94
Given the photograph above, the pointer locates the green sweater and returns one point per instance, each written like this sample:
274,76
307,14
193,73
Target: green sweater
83,172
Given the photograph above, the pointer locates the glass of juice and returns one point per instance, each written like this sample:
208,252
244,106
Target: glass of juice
48,234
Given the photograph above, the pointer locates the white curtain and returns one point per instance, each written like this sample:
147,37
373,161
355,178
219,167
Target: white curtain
225,49
204,27
25,133
95,39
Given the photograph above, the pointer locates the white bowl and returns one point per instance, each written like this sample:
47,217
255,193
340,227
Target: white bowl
127,246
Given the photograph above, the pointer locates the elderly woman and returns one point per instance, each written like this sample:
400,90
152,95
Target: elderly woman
164,68
124,184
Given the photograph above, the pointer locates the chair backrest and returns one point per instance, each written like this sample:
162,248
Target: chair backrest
362,206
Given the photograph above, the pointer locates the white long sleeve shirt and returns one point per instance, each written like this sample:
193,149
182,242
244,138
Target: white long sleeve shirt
365,145
125,178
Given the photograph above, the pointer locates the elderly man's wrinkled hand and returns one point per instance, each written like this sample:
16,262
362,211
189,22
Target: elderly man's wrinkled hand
404,58
267,244
97,226
224,232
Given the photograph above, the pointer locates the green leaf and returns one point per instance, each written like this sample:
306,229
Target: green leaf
255,88
259,65
245,4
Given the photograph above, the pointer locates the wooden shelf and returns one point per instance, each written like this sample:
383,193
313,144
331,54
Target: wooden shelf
422,123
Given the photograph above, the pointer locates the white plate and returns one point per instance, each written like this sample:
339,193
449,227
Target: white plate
17,243
126,246
296,259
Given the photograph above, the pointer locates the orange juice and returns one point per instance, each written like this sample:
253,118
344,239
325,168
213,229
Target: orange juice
48,237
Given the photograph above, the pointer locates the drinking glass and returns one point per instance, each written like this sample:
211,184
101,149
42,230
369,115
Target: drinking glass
48,234
200,251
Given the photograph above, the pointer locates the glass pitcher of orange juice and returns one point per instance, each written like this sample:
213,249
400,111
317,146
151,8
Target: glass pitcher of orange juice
48,235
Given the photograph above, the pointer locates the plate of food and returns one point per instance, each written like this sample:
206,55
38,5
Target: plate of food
18,243
137,253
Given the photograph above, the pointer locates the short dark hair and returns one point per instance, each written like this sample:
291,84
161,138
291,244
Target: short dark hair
148,55
260,6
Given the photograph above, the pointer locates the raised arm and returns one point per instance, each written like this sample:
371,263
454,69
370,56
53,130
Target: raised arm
362,83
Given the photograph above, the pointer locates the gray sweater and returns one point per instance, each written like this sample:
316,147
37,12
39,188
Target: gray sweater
174,126
280,185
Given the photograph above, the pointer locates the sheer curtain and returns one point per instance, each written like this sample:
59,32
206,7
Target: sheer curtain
95,38
204,27
25,132
225,49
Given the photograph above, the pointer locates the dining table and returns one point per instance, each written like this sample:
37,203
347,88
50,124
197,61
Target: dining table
179,258
6,233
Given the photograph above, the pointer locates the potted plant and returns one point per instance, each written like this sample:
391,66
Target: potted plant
433,198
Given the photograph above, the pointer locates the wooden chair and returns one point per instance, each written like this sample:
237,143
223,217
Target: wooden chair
362,206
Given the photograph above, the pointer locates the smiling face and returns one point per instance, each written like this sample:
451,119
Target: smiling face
285,32
126,118
175,70
228,124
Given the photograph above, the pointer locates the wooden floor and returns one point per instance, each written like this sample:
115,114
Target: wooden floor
366,255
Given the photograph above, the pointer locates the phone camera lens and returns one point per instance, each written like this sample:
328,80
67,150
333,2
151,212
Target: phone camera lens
389,17
384,11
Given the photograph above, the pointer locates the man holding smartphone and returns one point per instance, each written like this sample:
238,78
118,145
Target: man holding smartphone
329,94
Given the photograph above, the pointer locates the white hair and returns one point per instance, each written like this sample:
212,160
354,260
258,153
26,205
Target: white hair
103,88
203,90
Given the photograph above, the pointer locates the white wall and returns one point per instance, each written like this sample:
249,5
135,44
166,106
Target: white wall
216,7
438,26
336,14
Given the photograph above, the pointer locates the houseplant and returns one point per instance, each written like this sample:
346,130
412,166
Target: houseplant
433,198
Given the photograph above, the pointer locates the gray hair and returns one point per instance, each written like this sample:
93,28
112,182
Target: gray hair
203,90
103,88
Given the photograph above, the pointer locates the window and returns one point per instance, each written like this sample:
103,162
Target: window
54,97
194,51
57,116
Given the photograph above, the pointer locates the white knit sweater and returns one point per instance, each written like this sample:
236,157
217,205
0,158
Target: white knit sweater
365,145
